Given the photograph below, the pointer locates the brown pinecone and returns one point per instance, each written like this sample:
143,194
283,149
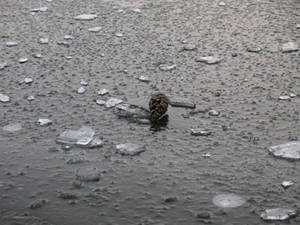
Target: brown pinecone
158,105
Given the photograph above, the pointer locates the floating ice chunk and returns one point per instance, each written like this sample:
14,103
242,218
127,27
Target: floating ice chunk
112,102
83,136
44,122
94,29
40,9
69,57
189,47
83,82
96,142
287,183
184,103
130,149
166,67
278,214
23,60
119,34
103,91
81,90
68,37
11,43
284,97
37,55
85,17
44,40
213,112
132,112
88,175
12,127
3,65
200,132
100,102
222,3
28,80
4,98
144,78
137,10
289,47
228,200
30,98
292,95
290,150
209,59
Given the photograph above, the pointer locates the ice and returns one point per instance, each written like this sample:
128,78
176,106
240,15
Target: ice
94,29
81,90
284,97
222,3
88,175
130,149
96,142
189,47
4,98
200,132
3,65
85,17
209,59
184,103
68,37
30,98
82,137
228,200
12,127
287,183
289,47
112,102
290,150
100,102
44,40
144,78
165,67
23,60
278,214
213,112
40,9
83,82
11,43
103,91
131,111
28,80
137,10
44,122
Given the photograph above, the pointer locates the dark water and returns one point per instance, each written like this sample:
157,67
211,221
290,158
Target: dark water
174,179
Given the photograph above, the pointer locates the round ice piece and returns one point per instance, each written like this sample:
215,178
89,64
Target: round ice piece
228,200
12,127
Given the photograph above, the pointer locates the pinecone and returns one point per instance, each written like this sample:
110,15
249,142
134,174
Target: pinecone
158,105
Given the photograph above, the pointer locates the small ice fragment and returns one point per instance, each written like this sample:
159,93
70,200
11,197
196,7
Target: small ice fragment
222,3
209,59
119,34
68,57
200,132
284,97
30,98
290,150
130,149
44,122
11,43
37,55
83,82
113,102
94,29
40,9
100,102
278,214
44,40
137,10
189,47
144,78
4,98
23,60
213,112
292,95
85,17
3,65
12,127
289,47
81,90
88,175
228,200
28,80
68,37
103,91
96,142
287,183
165,67
206,155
